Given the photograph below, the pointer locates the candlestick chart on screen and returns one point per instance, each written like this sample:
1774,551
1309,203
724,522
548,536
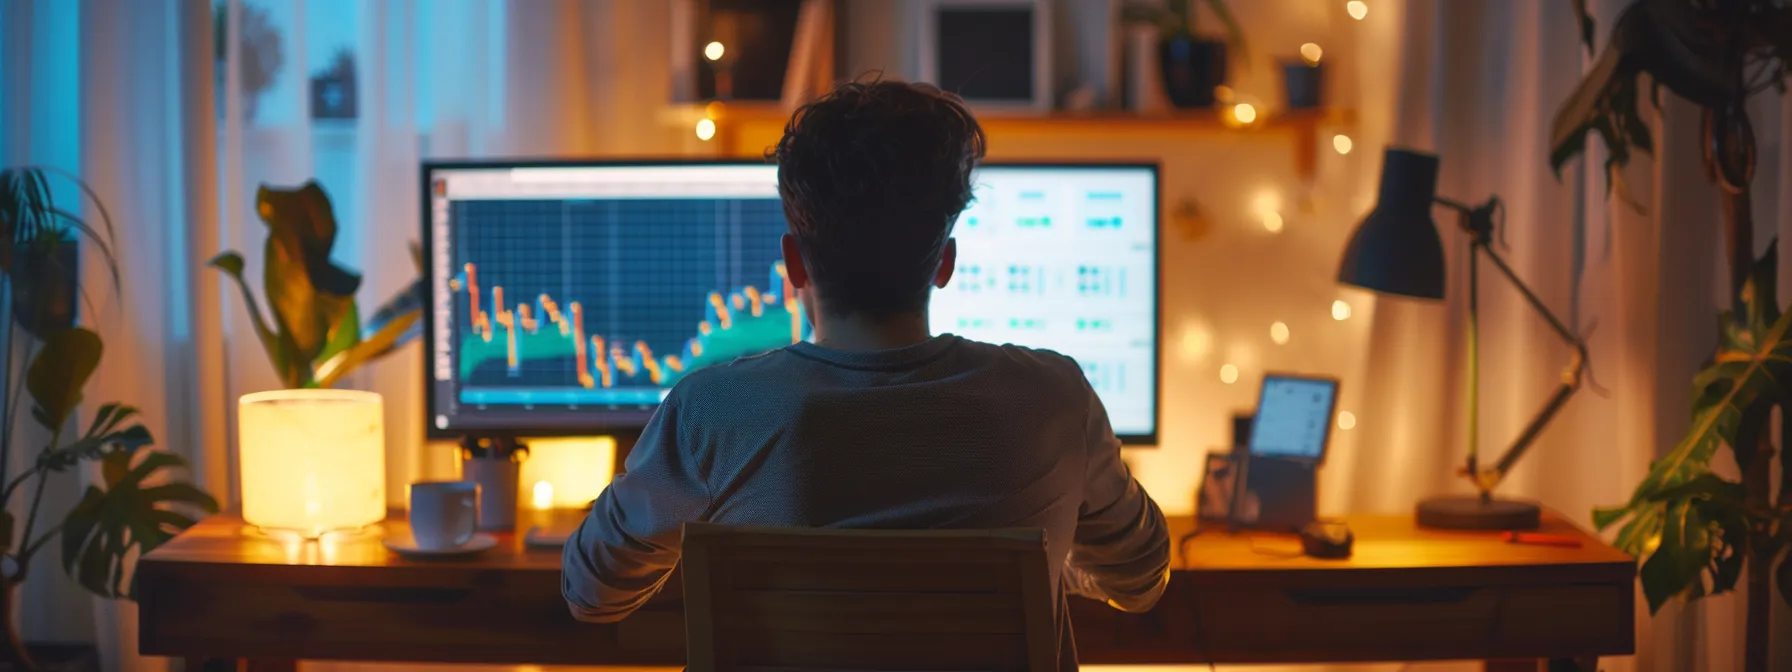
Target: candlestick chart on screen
592,297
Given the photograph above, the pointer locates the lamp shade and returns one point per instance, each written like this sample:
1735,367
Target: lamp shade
567,473
312,461
1397,249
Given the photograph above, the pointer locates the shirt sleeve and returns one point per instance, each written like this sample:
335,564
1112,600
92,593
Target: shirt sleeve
1122,549
623,552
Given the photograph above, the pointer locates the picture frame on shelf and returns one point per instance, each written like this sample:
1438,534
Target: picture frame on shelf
1213,502
996,54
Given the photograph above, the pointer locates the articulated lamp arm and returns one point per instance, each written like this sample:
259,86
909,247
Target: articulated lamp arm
1479,221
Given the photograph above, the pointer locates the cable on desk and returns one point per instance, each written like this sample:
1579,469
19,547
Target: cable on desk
1200,631
1182,543
1280,554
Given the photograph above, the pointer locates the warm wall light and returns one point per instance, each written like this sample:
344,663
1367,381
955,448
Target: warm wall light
312,461
1278,333
574,469
1196,342
1228,374
542,495
1311,53
714,50
706,129
1346,420
1272,222
1342,143
1340,310
1357,8
1244,112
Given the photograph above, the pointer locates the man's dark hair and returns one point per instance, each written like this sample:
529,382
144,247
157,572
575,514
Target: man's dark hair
873,176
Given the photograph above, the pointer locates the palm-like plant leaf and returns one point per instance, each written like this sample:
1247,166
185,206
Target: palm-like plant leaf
382,342
38,246
109,524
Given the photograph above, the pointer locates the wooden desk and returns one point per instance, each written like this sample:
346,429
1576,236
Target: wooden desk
219,591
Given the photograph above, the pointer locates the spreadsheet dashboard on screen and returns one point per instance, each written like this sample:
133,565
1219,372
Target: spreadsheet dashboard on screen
571,297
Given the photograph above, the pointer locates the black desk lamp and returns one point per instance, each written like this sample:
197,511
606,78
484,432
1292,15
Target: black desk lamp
1397,250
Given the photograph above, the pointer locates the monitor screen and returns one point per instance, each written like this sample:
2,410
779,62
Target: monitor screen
1294,417
572,297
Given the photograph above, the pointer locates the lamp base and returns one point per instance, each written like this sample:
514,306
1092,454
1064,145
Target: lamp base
1470,512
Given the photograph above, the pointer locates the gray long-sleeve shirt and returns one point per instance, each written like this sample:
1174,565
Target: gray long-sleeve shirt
948,433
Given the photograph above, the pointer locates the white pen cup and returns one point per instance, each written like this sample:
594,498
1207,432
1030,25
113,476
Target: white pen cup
444,514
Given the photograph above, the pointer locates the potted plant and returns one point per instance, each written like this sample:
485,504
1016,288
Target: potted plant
1695,532
136,505
316,335
1192,67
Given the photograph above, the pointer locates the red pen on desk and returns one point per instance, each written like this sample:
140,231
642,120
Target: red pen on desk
1540,539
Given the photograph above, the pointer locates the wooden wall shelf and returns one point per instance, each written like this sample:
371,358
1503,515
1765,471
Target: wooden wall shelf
746,129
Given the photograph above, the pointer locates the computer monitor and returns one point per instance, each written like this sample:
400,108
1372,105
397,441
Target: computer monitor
569,297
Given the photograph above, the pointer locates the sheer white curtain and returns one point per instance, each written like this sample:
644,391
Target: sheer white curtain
127,94
1478,82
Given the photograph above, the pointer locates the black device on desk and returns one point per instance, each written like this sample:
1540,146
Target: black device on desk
1278,475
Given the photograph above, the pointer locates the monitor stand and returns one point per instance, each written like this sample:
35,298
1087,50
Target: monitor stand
1275,494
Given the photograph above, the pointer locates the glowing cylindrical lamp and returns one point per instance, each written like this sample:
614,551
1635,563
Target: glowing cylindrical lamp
567,473
312,461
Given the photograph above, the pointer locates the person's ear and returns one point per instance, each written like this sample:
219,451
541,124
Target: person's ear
948,263
793,262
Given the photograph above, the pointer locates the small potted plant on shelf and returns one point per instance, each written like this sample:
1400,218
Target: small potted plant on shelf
1192,66
135,505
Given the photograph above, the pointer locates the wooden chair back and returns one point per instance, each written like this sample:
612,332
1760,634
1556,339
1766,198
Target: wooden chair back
770,598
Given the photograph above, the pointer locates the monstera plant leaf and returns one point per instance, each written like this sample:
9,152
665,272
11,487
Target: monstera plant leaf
59,371
103,435
1683,520
126,516
311,297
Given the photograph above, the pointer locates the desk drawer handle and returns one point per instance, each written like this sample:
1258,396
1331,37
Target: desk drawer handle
1337,597
390,595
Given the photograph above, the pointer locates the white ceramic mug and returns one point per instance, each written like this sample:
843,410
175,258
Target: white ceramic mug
444,514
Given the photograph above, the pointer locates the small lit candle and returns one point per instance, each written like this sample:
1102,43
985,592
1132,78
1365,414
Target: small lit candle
1340,310
543,496
1357,8
1311,53
714,50
1346,420
1342,143
706,129
1278,332
1228,374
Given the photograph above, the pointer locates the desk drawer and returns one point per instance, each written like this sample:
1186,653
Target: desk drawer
1254,625
486,621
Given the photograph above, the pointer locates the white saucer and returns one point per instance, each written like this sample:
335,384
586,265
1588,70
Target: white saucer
406,546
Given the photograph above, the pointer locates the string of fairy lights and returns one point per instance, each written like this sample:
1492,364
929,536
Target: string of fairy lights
1241,110
1236,110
